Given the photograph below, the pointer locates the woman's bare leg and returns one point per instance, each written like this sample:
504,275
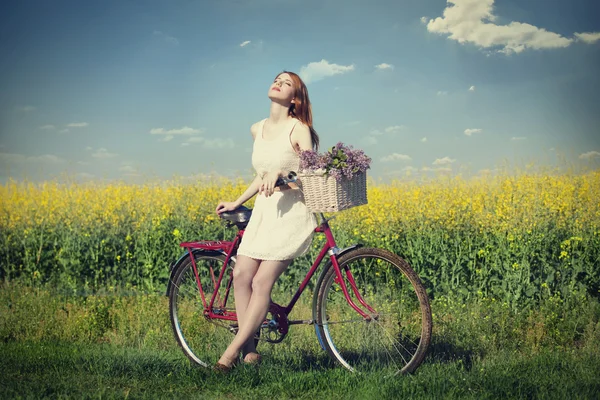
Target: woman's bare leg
243,273
256,310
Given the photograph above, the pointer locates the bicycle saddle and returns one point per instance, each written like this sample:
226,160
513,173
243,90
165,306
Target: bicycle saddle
240,216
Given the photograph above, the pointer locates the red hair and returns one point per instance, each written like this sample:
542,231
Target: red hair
301,108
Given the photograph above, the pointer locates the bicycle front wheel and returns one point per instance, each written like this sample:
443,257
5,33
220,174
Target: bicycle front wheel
397,334
201,338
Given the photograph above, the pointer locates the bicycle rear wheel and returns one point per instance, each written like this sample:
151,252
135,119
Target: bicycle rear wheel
202,339
397,336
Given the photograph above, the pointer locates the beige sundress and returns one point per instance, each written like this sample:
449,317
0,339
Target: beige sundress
281,227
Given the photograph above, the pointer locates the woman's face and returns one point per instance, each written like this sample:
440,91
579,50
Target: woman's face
282,88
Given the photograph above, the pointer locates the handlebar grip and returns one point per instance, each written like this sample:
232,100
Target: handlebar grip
289,178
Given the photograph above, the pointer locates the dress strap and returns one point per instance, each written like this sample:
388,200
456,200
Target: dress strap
290,136
262,128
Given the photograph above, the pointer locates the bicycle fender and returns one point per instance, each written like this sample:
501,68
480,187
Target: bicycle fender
318,285
182,258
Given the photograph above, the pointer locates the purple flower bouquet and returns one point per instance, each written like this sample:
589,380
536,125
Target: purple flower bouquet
339,162
334,180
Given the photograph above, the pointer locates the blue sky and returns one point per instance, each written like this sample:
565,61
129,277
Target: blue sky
142,90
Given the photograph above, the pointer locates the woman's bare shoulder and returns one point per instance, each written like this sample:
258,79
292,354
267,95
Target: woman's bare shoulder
301,138
255,128
300,130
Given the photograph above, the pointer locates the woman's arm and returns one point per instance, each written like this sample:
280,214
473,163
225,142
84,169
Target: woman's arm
301,138
250,192
247,195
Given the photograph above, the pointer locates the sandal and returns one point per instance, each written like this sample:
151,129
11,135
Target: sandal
252,359
225,369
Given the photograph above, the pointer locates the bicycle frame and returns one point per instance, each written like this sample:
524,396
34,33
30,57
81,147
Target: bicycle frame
229,247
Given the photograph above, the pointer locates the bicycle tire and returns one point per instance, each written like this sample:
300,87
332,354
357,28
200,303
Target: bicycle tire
202,340
397,340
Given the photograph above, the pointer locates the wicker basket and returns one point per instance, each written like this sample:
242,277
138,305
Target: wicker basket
322,193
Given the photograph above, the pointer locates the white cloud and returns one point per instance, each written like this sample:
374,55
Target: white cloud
517,138
404,171
588,37
470,132
424,20
589,155
472,21
63,131
47,159
396,156
369,141
77,125
216,143
472,89
48,127
384,66
84,175
167,138
127,169
26,108
12,158
439,169
247,42
316,71
389,129
89,148
102,154
443,161
442,93
424,140
186,130
167,38
394,129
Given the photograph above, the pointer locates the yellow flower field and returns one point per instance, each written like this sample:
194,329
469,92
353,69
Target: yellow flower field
521,237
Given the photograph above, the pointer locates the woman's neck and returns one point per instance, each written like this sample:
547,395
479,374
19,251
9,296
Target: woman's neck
279,113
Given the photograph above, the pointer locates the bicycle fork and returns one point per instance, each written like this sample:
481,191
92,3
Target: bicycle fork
339,279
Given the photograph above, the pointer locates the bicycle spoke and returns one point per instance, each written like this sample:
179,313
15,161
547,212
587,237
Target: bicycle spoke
202,339
394,345
342,322
397,335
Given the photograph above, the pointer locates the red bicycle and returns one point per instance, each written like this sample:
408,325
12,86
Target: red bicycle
370,309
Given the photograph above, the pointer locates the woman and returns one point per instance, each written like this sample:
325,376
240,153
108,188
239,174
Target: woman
281,226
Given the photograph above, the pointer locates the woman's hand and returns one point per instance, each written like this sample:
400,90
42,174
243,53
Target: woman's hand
226,206
268,183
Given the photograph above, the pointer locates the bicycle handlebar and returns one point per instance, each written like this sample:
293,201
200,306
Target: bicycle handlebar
291,177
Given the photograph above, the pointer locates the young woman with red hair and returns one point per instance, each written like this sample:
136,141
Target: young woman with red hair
281,227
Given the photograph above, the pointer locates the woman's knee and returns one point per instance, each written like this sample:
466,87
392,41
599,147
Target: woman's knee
242,276
268,274
243,272
262,284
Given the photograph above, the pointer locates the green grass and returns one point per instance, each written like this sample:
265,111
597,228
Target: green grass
38,370
117,345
